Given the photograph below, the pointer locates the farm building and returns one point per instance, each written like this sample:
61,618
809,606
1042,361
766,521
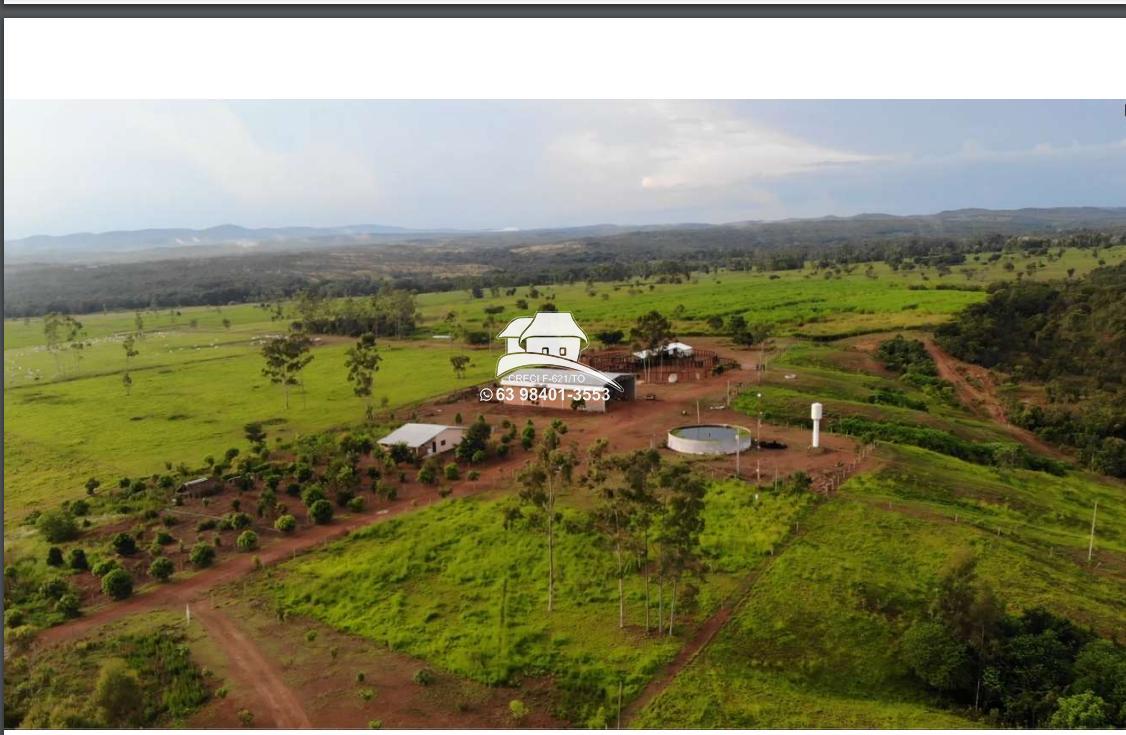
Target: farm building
675,362
201,487
672,349
425,439
560,388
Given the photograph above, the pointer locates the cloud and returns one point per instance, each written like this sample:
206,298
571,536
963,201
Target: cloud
692,145
160,164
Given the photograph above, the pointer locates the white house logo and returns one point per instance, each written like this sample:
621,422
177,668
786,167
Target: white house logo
552,340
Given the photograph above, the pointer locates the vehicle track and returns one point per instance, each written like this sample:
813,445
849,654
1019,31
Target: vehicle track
257,675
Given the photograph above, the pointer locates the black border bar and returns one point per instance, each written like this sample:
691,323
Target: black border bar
684,10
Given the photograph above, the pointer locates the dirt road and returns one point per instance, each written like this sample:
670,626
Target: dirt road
251,669
975,389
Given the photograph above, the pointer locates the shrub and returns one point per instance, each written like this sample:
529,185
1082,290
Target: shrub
124,544
293,489
247,541
1084,711
518,710
472,475
321,511
356,504
445,492
161,568
428,473
246,717
53,588
312,494
366,694
117,584
54,557
79,507
68,605
375,724
936,656
203,555
104,567
117,694
451,471
424,677
163,538
76,559
238,520
56,526
478,457
310,635
286,523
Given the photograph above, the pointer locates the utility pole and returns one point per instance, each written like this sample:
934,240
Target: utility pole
697,412
1091,545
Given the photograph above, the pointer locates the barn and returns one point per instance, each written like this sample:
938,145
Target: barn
425,439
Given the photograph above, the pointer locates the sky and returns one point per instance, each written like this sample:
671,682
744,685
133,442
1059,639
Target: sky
99,166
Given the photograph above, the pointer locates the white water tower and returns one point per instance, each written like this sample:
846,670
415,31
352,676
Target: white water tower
815,414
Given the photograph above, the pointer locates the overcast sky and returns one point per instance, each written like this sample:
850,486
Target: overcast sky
97,166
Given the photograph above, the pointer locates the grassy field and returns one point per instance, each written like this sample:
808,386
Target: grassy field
451,585
796,302
846,380
197,381
815,644
190,400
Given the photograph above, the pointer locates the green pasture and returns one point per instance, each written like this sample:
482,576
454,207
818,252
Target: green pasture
196,381
816,642
832,374
801,302
451,585
189,400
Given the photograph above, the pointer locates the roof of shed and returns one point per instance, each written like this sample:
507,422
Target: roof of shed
415,435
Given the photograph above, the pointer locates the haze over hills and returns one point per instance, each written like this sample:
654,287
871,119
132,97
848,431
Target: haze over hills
158,244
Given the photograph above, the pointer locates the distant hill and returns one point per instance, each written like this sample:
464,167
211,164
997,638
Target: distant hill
139,240
161,244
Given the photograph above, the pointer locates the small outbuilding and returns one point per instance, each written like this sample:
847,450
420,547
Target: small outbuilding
201,487
425,439
671,350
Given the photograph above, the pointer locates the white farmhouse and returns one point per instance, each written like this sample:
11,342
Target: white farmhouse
425,439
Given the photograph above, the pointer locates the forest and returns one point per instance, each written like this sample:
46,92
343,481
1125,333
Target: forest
1070,336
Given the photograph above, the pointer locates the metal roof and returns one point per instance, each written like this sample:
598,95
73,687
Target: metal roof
415,435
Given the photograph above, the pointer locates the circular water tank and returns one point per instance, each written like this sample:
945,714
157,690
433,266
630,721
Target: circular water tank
710,439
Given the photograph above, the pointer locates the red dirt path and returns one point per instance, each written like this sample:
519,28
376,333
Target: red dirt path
251,668
975,389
